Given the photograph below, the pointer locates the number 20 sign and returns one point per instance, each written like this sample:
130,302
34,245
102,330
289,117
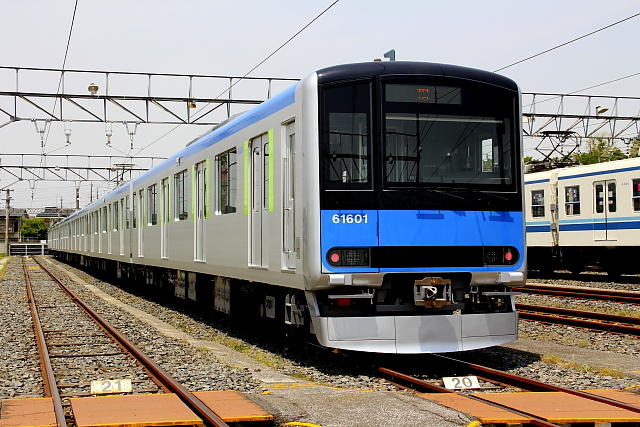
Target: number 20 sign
470,381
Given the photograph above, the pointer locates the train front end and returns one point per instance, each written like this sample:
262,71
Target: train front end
420,236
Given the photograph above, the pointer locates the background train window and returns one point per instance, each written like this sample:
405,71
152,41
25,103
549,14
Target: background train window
572,200
611,196
345,137
180,200
537,203
152,210
226,165
636,195
104,219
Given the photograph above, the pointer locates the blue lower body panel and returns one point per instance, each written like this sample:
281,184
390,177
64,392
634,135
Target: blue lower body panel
368,228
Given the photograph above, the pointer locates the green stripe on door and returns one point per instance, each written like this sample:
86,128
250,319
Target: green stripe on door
207,192
272,155
170,204
193,193
246,165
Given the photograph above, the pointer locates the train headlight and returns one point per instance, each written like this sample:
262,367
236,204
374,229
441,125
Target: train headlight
349,257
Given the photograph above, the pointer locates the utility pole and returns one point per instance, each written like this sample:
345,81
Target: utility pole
91,193
77,198
7,207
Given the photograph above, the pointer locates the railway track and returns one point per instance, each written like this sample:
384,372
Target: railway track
73,340
583,293
502,378
581,319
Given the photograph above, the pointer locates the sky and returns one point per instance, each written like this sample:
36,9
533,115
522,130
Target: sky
230,37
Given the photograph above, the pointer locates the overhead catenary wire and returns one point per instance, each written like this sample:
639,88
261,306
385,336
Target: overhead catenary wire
64,63
567,42
289,40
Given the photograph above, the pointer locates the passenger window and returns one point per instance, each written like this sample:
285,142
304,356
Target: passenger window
537,203
636,195
180,202
152,211
126,212
572,200
133,208
226,165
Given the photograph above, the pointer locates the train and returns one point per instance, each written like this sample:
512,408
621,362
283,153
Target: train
583,217
374,207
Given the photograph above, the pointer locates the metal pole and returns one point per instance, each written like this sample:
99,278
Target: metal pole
77,198
6,222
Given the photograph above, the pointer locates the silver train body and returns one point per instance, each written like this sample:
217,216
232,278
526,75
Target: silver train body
236,221
585,216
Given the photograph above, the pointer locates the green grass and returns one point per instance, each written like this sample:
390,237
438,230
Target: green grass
603,372
3,265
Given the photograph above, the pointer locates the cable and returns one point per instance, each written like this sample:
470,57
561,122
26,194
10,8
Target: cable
64,62
566,43
245,75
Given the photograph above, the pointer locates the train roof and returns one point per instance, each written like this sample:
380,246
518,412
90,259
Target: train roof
580,171
374,69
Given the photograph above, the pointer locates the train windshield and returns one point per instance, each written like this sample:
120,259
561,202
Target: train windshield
442,136
346,136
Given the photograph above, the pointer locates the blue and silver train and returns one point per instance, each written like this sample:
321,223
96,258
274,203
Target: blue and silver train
376,206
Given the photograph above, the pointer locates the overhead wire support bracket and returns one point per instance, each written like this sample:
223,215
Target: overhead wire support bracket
155,102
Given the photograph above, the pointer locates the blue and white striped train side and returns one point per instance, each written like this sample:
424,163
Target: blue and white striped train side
583,216
377,206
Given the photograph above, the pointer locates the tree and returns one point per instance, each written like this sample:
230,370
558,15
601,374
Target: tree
634,147
599,149
34,227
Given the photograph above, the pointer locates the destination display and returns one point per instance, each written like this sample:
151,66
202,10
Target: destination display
424,94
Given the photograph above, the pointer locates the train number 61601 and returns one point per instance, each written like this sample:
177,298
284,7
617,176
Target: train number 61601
350,218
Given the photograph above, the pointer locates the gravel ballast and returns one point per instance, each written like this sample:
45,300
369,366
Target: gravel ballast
352,370
19,366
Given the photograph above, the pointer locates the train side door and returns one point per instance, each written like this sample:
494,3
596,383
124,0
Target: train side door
288,199
605,206
259,199
200,211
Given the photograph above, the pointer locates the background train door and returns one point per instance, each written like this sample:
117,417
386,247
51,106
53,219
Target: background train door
259,200
288,199
604,195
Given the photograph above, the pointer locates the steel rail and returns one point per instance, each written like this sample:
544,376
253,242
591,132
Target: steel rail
49,379
583,293
530,384
209,417
543,314
592,315
533,419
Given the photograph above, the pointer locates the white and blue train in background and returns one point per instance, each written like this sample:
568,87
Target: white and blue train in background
376,206
585,216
